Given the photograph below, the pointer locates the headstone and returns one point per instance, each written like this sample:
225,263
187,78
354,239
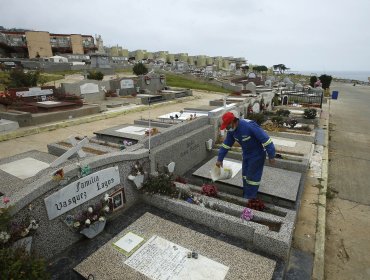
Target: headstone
127,83
81,191
89,88
35,91
256,108
24,168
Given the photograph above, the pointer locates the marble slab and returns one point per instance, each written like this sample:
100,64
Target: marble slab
275,182
241,263
137,130
181,116
24,168
49,102
292,146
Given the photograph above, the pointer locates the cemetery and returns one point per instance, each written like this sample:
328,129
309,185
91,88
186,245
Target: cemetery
86,189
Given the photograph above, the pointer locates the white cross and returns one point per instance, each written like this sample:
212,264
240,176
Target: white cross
76,148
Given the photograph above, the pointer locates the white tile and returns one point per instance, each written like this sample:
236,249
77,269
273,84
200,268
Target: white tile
24,168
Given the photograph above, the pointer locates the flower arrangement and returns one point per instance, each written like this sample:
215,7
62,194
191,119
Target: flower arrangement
94,213
209,190
256,204
151,132
247,214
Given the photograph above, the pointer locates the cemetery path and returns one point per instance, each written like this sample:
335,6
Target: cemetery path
39,141
348,224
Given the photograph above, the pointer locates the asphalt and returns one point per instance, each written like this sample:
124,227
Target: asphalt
349,167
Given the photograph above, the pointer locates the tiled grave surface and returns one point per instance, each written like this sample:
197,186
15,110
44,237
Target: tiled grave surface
24,168
180,116
292,146
275,182
6,125
10,181
242,264
121,132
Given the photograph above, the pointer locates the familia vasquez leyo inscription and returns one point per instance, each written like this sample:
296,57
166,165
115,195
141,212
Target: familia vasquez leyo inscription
81,191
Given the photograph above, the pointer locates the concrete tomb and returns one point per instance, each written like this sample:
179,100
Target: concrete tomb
164,255
275,182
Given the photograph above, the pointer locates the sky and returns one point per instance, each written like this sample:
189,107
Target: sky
304,35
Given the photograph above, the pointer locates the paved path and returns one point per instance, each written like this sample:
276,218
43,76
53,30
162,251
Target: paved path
347,244
349,168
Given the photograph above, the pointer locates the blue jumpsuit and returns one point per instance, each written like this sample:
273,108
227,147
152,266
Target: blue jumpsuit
254,142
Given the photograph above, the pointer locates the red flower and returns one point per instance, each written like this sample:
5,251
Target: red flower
6,200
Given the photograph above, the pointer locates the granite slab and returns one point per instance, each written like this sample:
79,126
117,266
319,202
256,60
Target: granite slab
24,168
275,182
293,146
109,263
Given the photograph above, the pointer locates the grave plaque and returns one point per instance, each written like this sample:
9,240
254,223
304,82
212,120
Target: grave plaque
89,88
35,91
80,191
127,84
137,130
161,259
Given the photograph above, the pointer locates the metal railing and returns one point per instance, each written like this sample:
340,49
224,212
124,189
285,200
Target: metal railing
307,97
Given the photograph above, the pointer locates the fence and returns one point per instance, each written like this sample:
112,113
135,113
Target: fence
304,97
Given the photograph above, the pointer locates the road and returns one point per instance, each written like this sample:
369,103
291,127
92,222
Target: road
348,213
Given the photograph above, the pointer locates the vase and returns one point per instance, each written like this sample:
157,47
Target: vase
94,229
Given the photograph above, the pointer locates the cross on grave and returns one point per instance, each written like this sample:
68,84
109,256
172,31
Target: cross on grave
75,149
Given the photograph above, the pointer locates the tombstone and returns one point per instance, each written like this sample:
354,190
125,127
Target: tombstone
126,87
256,108
90,90
289,85
287,80
268,83
252,75
252,87
298,87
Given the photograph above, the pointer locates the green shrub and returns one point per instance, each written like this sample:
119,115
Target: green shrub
140,69
258,118
18,78
17,264
309,113
95,75
278,120
282,112
313,80
326,81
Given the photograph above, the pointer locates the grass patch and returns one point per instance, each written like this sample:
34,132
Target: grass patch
127,71
46,78
182,82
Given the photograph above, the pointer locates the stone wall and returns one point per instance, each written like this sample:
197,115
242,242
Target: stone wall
53,236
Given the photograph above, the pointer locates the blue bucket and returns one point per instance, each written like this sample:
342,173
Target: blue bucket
335,94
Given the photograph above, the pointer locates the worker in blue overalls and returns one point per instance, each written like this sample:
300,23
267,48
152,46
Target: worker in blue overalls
254,142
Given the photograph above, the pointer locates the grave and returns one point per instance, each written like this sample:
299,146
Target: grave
165,246
7,125
281,185
181,116
150,98
21,168
120,133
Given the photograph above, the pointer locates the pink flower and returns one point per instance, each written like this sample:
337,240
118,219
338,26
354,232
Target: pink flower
6,200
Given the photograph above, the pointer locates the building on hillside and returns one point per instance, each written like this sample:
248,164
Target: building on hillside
32,44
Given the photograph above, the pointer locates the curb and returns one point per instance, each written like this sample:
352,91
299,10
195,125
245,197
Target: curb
102,116
319,258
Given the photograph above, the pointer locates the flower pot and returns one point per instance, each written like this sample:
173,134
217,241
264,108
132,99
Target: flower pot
94,229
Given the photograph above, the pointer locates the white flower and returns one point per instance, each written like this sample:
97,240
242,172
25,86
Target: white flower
4,236
76,224
87,222
106,209
90,209
33,225
106,197
101,219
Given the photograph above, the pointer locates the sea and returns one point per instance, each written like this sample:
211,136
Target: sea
363,76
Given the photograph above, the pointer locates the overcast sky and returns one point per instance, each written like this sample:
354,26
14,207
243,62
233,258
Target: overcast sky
317,35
